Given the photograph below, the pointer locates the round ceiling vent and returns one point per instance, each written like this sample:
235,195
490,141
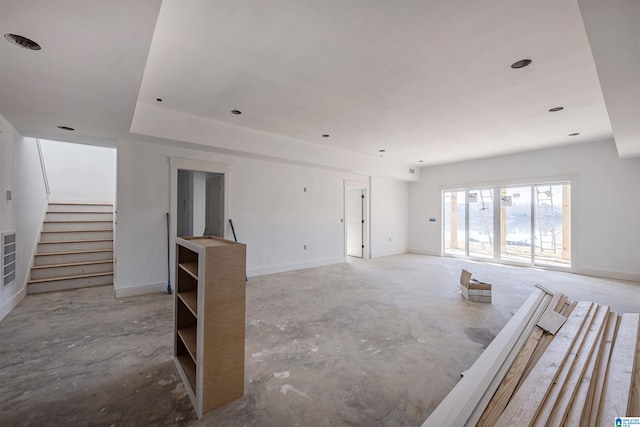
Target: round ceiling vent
521,63
22,41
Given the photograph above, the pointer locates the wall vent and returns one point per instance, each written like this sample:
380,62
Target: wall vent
8,258
412,171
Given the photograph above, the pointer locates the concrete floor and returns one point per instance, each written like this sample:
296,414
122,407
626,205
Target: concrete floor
367,343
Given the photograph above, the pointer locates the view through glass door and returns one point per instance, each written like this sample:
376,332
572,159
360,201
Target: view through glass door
525,224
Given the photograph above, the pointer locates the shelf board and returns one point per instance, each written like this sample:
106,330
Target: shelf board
189,369
188,337
191,268
190,299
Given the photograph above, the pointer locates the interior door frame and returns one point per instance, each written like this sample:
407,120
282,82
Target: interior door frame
178,163
364,185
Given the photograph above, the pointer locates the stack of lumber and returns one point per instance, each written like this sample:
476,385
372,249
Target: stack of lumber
555,363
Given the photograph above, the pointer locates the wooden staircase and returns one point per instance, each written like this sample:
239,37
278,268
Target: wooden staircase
75,248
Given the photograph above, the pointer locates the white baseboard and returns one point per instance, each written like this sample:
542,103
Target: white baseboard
290,267
12,302
608,274
423,252
388,253
140,290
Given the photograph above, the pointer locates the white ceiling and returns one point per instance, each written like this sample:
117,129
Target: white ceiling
423,80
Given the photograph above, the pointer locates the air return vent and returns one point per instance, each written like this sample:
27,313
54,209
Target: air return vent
8,257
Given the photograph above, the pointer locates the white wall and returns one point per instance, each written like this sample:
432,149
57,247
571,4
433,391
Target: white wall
605,196
389,216
80,173
270,209
22,174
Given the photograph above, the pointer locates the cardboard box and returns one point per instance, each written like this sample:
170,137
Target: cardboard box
474,290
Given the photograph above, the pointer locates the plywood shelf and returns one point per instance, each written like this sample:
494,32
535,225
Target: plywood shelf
189,338
191,268
190,299
189,368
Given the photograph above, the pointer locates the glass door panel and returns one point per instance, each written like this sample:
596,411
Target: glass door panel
480,238
454,223
515,224
552,229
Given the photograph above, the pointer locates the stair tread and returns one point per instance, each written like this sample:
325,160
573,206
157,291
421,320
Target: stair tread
77,276
72,264
76,241
76,230
90,251
63,221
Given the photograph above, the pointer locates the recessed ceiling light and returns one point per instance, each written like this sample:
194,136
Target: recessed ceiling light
22,42
574,134
554,109
159,99
236,112
325,135
381,151
420,161
521,64
65,128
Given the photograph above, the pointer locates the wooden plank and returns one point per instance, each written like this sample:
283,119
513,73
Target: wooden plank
510,381
525,403
590,416
579,403
551,321
514,376
574,375
634,402
490,390
548,404
456,408
617,386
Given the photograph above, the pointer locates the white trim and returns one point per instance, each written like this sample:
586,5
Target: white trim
425,252
131,291
291,267
389,253
176,163
634,277
12,302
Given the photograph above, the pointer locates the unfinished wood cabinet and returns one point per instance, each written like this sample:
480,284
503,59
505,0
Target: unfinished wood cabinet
210,319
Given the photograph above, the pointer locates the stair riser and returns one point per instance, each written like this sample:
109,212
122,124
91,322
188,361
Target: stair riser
72,270
65,226
77,246
79,208
61,285
69,258
75,235
88,216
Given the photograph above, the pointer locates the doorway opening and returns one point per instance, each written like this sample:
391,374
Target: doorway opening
200,203
354,209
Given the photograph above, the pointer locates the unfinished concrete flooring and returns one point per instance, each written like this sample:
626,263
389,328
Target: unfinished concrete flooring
375,342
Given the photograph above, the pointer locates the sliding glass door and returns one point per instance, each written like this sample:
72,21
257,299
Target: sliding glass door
480,222
523,224
515,224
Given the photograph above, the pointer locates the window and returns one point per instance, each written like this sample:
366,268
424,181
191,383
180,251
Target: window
522,224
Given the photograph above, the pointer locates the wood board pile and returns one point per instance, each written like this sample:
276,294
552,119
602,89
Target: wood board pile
555,363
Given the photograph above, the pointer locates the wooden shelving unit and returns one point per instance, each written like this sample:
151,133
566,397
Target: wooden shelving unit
210,319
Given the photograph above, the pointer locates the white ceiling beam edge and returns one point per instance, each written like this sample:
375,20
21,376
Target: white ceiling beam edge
159,122
608,24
